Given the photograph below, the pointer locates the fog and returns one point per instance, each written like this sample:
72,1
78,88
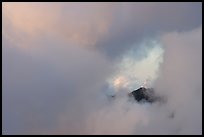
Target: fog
60,61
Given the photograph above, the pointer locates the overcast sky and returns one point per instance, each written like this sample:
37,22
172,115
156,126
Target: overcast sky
61,61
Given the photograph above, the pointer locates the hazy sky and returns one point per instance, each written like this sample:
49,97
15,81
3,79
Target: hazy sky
60,61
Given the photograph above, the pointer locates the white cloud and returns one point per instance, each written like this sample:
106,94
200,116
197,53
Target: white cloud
132,71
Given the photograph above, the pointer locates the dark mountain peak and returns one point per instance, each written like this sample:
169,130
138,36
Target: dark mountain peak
144,95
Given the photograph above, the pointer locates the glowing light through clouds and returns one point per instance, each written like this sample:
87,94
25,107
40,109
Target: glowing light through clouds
133,72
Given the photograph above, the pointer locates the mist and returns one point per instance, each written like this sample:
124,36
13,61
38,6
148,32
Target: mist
60,62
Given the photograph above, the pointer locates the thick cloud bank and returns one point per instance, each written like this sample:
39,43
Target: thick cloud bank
59,61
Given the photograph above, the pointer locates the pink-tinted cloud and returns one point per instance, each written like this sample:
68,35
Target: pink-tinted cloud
57,57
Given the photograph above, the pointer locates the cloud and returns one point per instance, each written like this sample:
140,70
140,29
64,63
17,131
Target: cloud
110,27
181,78
134,22
133,71
179,81
57,58
38,86
76,23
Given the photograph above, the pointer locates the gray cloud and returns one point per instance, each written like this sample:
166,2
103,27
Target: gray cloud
55,68
180,81
37,89
181,78
132,22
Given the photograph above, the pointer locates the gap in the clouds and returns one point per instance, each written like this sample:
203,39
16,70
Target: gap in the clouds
138,66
